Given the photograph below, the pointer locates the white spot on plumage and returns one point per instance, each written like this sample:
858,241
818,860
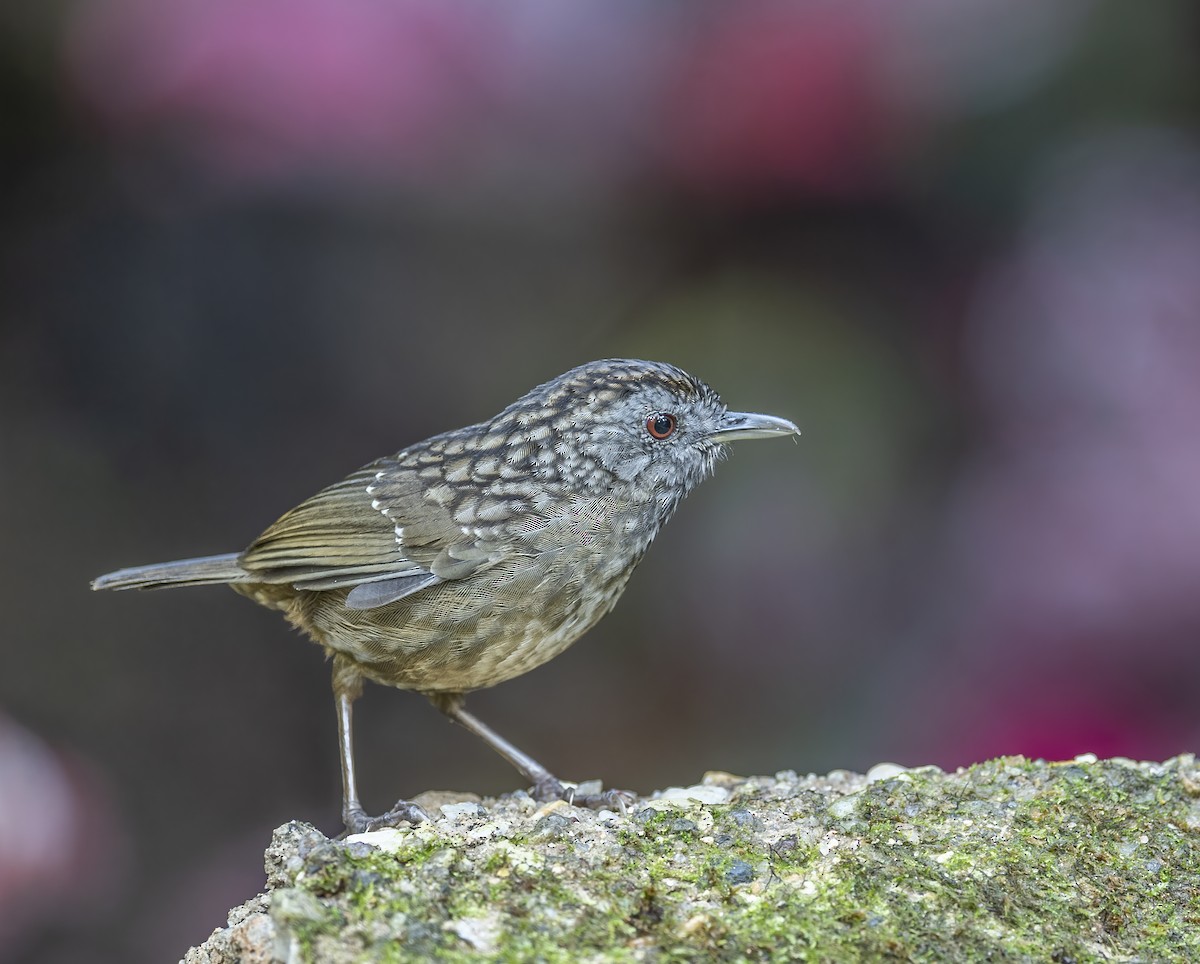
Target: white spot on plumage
494,511
377,505
458,471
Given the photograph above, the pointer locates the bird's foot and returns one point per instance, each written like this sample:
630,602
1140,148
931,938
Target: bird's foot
358,821
552,788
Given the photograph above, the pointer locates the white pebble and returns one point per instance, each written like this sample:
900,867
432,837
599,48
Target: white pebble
389,839
701,794
456,811
884,771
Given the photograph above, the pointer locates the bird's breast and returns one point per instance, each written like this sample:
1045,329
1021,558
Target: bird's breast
561,568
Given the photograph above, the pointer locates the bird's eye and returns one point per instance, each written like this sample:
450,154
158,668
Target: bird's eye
661,425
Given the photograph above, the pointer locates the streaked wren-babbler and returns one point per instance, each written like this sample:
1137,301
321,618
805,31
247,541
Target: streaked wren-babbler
476,555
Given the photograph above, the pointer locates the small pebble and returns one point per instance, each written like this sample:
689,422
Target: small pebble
550,826
456,811
389,839
701,794
739,872
884,771
745,819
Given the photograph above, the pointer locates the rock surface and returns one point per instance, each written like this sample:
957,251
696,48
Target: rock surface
1009,860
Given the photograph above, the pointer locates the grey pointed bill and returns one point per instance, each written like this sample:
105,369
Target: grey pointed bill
738,425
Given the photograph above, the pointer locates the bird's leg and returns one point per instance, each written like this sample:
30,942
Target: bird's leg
347,687
546,786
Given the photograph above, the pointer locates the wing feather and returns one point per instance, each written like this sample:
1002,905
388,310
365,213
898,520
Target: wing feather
379,530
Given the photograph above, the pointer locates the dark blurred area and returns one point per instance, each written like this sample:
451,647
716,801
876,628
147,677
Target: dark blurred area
247,247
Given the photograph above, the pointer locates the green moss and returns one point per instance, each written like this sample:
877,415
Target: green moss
1012,861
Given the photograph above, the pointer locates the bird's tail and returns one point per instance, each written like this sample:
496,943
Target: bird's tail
183,572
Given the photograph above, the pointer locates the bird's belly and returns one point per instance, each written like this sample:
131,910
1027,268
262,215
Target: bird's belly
476,632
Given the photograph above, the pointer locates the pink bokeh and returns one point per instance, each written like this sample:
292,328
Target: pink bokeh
282,84
58,837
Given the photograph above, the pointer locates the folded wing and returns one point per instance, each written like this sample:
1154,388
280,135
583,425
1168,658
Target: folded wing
378,531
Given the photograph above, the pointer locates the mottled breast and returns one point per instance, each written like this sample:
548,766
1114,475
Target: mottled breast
565,568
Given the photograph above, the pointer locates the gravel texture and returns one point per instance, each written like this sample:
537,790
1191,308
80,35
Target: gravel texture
1010,860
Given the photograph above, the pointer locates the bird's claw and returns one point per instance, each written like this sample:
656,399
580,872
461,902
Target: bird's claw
545,791
358,821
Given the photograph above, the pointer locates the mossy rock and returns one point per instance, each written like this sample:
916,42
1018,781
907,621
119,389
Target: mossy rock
1010,860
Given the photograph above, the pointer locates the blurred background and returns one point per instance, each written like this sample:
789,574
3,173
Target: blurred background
245,248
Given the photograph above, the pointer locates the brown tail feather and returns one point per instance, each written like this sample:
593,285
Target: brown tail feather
182,572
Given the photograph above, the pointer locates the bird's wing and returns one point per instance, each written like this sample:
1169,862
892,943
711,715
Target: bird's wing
382,530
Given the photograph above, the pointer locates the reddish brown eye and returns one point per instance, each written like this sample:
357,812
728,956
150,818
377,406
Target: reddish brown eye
660,425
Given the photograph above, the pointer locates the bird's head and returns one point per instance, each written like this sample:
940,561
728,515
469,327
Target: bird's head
647,428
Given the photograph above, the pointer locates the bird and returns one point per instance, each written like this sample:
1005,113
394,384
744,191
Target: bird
478,554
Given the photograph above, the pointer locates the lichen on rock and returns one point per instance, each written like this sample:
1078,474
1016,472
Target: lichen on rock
1010,860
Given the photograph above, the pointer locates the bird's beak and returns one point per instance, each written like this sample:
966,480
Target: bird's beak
736,425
